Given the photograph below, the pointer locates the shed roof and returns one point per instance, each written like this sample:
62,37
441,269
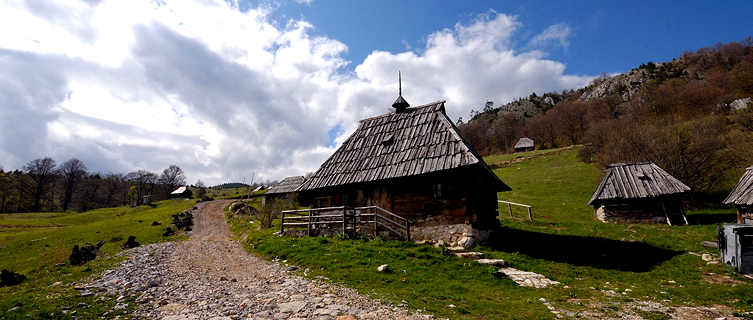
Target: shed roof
742,194
411,142
287,185
524,143
179,190
636,181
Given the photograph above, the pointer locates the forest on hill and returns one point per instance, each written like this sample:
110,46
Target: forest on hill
692,116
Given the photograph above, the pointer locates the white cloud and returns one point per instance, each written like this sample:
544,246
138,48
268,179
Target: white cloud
224,92
559,33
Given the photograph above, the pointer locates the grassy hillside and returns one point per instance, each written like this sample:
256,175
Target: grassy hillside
606,269
33,243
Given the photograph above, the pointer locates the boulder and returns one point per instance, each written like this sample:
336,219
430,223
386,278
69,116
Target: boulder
130,243
10,278
168,232
84,254
156,223
492,262
383,268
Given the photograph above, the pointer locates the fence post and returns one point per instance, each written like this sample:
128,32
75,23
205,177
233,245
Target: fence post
344,220
530,214
282,223
309,226
376,215
509,206
407,230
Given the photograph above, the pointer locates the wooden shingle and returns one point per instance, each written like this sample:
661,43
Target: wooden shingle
742,194
636,181
410,142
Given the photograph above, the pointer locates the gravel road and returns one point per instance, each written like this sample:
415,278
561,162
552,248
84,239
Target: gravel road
209,276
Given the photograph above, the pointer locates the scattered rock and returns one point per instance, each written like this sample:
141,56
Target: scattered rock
466,242
469,255
168,232
10,278
383,268
707,257
130,243
527,279
709,244
84,254
492,262
291,307
292,268
156,223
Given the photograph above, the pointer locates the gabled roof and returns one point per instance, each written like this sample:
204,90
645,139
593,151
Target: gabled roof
411,142
636,181
179,190
742,195
287,185
524,143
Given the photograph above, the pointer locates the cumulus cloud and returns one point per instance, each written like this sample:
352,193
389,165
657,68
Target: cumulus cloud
224,92
558,33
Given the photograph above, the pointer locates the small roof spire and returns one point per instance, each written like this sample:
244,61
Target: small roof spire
400,104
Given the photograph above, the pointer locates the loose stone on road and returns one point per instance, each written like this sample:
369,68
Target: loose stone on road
211,276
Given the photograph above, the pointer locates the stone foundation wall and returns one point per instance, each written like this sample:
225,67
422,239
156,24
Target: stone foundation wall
452,234
625,215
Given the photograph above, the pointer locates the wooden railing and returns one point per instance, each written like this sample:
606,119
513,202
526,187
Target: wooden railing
346,217
510,204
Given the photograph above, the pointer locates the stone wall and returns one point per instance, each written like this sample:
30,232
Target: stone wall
623,214
452,234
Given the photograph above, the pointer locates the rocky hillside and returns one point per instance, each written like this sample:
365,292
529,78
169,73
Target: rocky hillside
692,116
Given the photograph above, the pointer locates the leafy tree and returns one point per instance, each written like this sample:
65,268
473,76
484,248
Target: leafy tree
172,178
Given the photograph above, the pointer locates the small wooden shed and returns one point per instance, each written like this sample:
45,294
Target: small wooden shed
285,187
182,192
524,144
639,192
414,163
742,197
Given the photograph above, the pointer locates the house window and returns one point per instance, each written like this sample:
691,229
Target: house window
437,191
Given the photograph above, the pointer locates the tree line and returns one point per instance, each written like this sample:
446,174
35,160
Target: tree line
680,118
43,185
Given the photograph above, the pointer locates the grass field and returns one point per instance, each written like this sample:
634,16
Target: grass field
229,193
604,268
33,243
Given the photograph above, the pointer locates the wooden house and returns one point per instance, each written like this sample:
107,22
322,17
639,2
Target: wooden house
414,163
742,197
524,144
639,193
284,188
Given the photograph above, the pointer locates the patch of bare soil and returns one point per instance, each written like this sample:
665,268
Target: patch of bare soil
211,276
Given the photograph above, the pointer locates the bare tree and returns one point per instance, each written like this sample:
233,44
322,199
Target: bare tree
143,182
172,178
42,173
73,171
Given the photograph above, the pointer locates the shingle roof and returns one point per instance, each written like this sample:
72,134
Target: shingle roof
411,142
524,143
742,195
179,190
287,185
635,181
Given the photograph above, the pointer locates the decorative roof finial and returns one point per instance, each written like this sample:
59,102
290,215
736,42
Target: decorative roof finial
400,104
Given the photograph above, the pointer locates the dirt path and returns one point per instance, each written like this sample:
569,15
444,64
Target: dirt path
211,276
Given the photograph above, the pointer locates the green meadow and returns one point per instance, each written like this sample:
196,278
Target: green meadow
38,244
603,268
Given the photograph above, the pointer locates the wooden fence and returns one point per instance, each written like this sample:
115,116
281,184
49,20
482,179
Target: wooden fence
347,218
510,204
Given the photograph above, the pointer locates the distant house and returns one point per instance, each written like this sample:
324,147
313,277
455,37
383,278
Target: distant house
414,163
639,193
182,192
524,144
283,188
259,188
742,197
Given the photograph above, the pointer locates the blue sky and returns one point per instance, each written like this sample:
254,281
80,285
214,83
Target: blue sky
606,36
